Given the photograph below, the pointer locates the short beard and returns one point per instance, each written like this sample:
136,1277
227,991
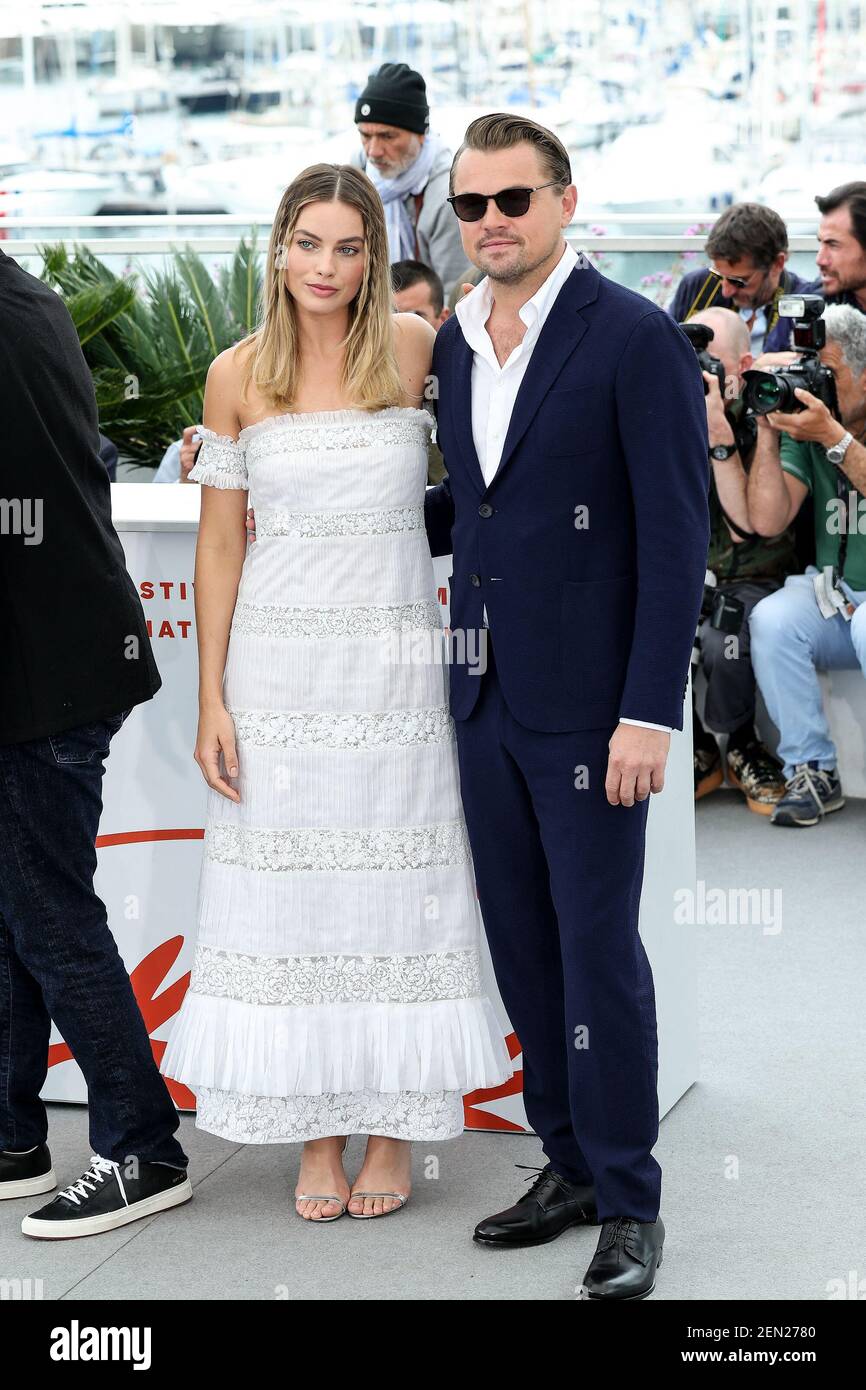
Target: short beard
402,165
511,275
760,298
855,285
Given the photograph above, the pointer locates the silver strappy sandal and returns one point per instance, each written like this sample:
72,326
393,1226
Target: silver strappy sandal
322,1197
401,1197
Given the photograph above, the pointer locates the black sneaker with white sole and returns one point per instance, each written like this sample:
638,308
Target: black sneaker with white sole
26,1174
106,1196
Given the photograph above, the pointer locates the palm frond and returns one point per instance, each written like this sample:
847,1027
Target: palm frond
206,296
241,286
150,336
94,308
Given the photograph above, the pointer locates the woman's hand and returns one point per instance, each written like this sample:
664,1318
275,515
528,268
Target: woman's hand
216,733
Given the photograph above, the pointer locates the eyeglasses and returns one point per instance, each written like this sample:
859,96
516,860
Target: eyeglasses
737,280
512,202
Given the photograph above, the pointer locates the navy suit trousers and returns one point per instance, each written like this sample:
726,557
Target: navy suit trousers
559,873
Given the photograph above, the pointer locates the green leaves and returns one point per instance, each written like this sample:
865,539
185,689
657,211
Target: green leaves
240,285
94,308
149,336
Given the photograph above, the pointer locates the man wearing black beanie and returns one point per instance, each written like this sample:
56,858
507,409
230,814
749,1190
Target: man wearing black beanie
410,167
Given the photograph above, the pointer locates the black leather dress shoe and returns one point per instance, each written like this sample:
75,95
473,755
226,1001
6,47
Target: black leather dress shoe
551,1205
626,1259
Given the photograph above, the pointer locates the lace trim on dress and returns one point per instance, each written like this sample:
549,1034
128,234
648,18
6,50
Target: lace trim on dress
357,434
273,522
220,461
336,979
211,437
248,1119
346,620
315,419
404,847
380,729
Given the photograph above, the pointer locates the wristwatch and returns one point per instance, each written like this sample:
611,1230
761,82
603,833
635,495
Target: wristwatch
836,452
722,451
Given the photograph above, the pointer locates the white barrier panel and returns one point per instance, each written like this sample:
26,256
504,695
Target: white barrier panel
844,695
150,841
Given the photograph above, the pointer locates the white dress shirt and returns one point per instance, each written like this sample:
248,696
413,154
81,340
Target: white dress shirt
495,387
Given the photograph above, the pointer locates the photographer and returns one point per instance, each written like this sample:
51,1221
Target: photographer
819,618
746,567
747,250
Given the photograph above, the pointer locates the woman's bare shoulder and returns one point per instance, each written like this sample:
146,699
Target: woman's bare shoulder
227,366
222,397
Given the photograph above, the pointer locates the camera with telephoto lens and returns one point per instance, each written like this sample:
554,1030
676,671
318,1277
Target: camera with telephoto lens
773,388
700,336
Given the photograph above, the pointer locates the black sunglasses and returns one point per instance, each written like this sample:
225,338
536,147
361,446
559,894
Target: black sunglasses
512,202
737,280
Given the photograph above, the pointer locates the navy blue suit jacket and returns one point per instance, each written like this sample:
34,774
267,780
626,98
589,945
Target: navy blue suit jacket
590,622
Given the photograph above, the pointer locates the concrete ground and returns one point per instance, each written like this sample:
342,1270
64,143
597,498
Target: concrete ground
762,1159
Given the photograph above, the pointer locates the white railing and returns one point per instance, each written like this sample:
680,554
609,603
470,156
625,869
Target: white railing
213,242
244,219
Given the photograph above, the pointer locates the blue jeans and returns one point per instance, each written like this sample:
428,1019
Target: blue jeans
790,640
59,960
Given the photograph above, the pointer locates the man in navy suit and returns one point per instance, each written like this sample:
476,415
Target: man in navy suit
572,422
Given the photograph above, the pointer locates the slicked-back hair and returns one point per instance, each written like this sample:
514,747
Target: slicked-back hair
500,131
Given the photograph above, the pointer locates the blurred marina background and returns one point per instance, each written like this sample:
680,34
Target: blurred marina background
158,137
181,107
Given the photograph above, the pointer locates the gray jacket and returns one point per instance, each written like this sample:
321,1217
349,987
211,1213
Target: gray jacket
437,230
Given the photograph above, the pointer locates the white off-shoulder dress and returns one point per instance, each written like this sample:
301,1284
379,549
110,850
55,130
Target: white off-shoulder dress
336,984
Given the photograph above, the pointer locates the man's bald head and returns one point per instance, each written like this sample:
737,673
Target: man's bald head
731,343
728,329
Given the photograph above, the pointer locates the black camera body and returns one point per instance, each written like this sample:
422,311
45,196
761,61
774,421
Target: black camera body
700,336
773,389
724,611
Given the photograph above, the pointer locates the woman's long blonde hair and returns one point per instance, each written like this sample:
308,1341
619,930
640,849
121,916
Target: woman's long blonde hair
370,378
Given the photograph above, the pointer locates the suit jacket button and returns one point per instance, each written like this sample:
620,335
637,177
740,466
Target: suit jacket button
485,509
475,581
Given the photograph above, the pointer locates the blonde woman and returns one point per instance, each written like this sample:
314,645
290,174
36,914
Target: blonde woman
335,987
